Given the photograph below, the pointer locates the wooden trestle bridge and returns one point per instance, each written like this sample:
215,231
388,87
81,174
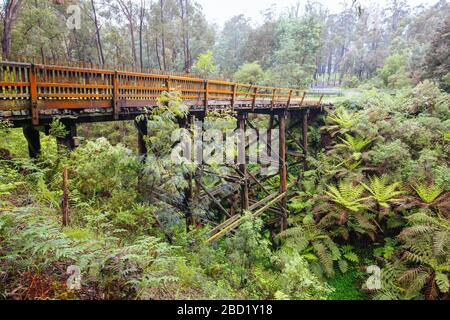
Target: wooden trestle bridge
32,95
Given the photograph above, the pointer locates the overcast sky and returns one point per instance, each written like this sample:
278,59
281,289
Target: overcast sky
219,11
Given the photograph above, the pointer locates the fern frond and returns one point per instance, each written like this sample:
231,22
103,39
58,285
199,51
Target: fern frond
442,282
428,193
347,195
324,258
383,192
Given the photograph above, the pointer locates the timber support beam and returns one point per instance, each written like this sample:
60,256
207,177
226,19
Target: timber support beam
242,160
142,132
34,141
186,123
283,169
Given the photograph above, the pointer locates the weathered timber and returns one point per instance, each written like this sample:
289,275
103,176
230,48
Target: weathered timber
96,95
283,169
34,141
242,161
142,133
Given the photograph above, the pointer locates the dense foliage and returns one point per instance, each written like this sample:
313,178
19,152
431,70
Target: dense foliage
378,195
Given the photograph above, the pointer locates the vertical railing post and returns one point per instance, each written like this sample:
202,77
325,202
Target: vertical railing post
289,99
233,98
283,168
320,100
68,142
255,93
273,99
34,141
116,107
34,95
206,102
269,135
303,98
189,190
168,85
142,131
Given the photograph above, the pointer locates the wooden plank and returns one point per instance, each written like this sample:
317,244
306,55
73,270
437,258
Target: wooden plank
283,168
116,105
34,96
243,161
236,223
263,201
74,104
254,98
206,98
233,98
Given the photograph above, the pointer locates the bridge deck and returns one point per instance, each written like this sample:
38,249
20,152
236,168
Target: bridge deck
34,94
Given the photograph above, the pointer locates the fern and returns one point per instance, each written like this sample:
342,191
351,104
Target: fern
353,144
348,196
31,241
442,282
428,193
391,289
426,253
383,192
349,254
313,244
340,122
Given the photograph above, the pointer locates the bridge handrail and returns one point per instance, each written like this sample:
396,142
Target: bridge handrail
61,86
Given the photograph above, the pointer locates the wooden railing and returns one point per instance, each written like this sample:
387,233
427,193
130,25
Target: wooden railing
39,87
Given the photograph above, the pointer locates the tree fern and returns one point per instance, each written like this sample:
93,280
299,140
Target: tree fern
383,192
316,246
353,144
347,195
345,211
428,193
426,253
341,121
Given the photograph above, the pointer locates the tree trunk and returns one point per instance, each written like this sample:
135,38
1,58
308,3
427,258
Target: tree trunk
141,30
184,9
101,57
10,16
133,44
128,12
163,41
157,52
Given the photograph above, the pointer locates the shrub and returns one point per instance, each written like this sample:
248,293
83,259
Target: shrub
249,73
